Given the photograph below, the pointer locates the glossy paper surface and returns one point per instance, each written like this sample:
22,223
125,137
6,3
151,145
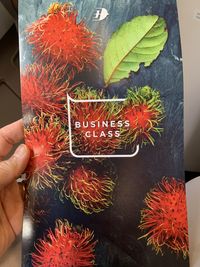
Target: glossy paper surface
102,96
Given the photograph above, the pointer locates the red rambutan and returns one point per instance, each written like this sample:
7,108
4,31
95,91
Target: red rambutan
58,37
95,130
66,246
38,206
47,142
144,110
43,90
88,191
165,217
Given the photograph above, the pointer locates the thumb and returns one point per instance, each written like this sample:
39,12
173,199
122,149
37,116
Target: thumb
12,168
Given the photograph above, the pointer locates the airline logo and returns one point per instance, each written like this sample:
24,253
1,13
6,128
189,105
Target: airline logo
101,14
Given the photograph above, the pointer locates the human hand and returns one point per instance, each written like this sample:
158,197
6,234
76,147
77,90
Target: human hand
11,201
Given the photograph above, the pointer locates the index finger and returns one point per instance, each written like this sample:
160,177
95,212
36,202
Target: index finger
10,135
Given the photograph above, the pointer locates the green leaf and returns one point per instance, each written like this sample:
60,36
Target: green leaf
138,41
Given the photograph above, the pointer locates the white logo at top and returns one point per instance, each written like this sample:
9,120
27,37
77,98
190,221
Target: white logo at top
101,14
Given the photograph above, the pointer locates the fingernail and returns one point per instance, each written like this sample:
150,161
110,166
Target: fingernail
20,151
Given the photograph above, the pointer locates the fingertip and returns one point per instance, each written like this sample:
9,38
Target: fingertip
13,167
22,152
20,159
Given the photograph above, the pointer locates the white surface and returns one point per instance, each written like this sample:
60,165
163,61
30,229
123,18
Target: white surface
193,204
6,20
189,15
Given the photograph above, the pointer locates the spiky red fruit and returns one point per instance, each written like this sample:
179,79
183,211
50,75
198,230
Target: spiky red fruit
48,142
95,130
88,191
165,217
43,90
66,246
59,38
144,110
37,205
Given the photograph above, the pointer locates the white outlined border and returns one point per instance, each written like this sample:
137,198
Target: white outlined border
70,129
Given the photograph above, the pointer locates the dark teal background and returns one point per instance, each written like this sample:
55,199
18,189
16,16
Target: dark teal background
117,227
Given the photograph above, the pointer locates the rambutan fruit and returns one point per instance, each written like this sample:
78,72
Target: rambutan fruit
95,130
37,206
165,217
88,93
144,110
65,246
57,37
88,191
47,141
43,90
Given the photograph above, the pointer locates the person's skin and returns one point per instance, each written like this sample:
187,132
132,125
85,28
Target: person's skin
11,201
